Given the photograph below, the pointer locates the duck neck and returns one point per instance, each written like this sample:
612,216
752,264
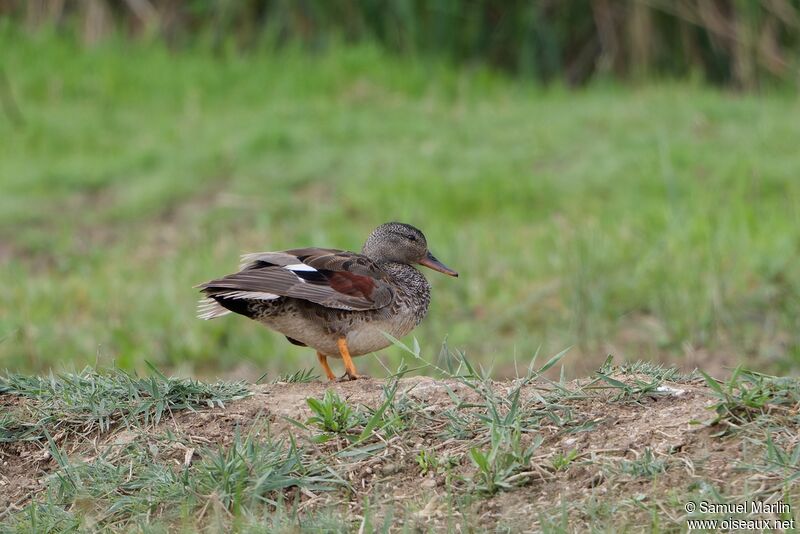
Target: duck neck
411,283
397,268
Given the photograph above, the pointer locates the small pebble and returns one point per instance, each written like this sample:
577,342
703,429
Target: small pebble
390,469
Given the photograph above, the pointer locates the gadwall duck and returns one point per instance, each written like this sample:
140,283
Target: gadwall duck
337,302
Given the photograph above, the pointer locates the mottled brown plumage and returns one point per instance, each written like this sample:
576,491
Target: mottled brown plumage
337,302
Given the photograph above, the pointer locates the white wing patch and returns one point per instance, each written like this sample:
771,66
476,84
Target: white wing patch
299,267
255,295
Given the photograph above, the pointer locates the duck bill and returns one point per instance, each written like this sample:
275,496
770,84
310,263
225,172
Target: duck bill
431,262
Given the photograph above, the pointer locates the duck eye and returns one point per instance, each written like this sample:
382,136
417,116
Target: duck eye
411,237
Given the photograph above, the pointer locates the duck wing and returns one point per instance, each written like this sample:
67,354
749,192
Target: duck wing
329,277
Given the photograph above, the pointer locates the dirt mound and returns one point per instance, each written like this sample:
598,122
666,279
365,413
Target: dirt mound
522,454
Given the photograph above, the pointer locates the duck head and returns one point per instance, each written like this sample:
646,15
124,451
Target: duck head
402,243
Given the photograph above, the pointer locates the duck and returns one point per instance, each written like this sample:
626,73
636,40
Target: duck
340,303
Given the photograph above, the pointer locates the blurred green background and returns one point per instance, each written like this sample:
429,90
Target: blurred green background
622,177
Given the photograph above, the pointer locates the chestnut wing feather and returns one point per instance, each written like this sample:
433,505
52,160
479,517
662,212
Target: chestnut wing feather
332,278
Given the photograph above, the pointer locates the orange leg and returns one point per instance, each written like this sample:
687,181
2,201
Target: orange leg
349,369
323,361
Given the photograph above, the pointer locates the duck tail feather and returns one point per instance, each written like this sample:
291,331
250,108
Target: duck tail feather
209,308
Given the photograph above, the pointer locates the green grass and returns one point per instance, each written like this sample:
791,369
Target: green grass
139,492
651,222
331,414
95,401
